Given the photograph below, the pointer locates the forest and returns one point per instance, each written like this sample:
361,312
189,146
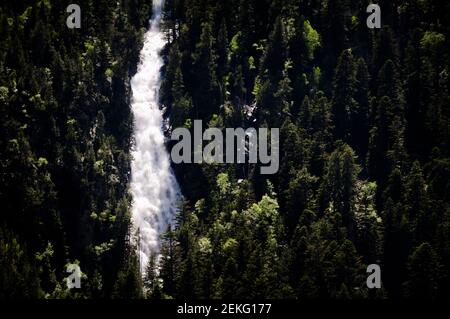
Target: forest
364,174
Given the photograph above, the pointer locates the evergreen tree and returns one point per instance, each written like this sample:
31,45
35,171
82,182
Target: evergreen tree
421,217
169,263
343,103
424,268
360,123
206,96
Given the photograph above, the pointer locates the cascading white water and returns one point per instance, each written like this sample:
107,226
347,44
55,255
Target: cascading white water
153,186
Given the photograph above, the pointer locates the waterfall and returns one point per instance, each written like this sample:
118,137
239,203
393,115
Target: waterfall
154,188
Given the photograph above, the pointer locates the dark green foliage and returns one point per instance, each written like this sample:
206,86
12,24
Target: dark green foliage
65,140
424,271
315,70
364,149
129,282
344,104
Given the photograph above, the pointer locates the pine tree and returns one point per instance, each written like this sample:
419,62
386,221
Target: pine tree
414,88
398,241
151,283
343,103
170,262
172,67
19,278
360,120
333,20
418,204
275,54
206,96
222,52
347,271
182,104
129,282
380,142
384,49
299,196
423,273
338,186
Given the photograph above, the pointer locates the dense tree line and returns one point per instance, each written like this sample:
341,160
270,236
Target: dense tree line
64,150
364,172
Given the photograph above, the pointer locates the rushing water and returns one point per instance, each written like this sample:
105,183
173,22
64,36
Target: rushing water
153,186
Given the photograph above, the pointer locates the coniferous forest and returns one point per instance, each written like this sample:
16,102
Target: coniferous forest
364,174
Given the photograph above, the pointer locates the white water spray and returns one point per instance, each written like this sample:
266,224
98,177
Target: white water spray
153,186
